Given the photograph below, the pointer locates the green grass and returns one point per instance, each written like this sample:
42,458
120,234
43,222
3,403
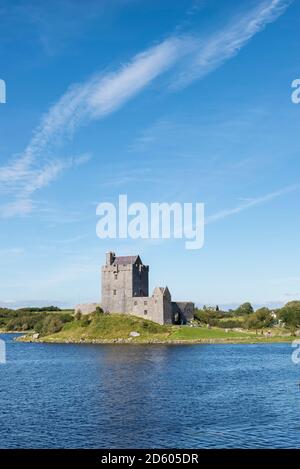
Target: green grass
215,334
195,333
117,328
109,328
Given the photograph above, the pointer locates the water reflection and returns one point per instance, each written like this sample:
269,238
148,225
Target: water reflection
149,396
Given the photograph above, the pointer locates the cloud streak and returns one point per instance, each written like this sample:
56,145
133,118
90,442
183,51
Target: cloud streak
24,179
250,204
211,52
188,57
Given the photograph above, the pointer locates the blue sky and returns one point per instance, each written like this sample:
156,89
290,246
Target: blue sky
185,101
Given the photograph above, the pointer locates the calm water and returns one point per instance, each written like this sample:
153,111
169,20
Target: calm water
201,396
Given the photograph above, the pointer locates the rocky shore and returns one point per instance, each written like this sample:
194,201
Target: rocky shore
140,341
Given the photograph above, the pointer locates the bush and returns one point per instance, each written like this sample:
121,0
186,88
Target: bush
50,325
290,314
99,310
260,319
78,315
64,317
206,316
86,320
244,309
231,324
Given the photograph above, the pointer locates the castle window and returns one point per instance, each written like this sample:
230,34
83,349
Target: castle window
116,276
135,303
145,302
155,301
145,312
115,292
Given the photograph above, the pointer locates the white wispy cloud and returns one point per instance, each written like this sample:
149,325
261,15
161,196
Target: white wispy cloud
250,204
26,179
97,97
20,206
189,57
213,51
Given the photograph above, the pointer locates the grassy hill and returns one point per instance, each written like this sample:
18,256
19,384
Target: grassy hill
106,327
116,328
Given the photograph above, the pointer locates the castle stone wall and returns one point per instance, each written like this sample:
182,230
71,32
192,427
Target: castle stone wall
86,308
155,308
125,290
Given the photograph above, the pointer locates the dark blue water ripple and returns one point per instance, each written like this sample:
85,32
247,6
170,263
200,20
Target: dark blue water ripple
201,396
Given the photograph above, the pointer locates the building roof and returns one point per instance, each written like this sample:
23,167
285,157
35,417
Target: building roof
162,290
125,260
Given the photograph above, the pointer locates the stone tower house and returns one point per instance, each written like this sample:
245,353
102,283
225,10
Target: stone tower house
122,279
125,290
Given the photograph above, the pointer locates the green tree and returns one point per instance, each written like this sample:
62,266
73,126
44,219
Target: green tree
244,309
260,319
290,315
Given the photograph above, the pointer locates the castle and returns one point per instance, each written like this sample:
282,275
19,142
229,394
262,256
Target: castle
125,290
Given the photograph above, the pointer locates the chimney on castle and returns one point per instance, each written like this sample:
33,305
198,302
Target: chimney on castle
110,257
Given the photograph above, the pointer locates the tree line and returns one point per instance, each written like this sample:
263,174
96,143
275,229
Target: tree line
246,317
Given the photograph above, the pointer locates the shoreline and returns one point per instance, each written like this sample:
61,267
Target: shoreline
130,341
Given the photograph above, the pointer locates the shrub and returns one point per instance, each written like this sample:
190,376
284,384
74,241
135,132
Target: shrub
244,309
150,326
51,323
290,314
78,315
260,319
64,317
230,324
86,320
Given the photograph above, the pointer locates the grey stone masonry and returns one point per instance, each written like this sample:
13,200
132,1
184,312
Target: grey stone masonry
125,290
86,308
